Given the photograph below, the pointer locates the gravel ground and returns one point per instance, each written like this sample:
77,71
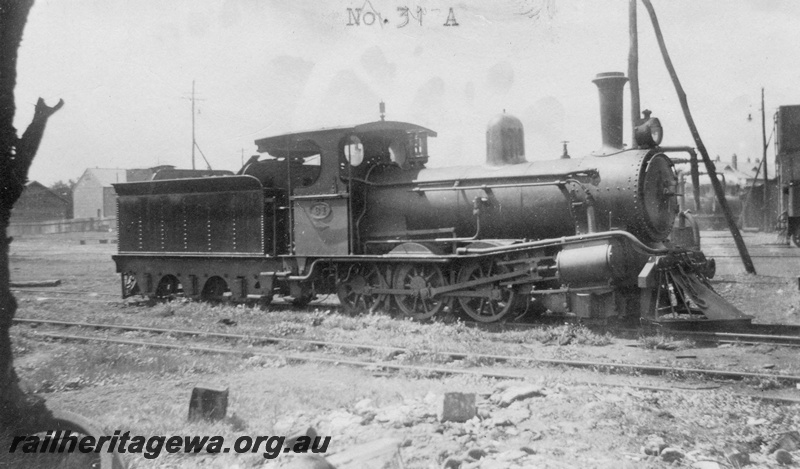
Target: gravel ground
560,417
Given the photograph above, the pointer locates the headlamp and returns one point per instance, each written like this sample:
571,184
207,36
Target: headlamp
649,133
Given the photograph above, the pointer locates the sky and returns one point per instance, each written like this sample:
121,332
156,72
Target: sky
126,69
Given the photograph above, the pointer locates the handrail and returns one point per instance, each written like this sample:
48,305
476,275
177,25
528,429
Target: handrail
589,173
637,245
492,186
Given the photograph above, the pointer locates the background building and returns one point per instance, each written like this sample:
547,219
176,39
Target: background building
38,203
94,196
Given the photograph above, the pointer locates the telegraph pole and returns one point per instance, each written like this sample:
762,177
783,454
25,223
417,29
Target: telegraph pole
193,140
764,159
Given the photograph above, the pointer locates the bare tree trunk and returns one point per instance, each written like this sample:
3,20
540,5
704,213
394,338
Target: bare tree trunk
16,156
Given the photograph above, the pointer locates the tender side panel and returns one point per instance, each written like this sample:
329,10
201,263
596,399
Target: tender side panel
219,215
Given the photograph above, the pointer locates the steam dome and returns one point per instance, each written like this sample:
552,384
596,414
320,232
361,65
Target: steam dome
505,141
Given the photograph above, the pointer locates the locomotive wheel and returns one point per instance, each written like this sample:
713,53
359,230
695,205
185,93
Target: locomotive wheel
352,300
303,300
261,303
416,277
484,309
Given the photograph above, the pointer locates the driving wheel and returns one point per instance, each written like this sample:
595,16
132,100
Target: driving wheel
419,279
493,301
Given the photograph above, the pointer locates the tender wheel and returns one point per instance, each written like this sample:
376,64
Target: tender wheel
129,285
214,290
351,290
500,300
416,277
168,287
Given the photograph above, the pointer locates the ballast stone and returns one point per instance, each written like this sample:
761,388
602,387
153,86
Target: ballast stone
458,407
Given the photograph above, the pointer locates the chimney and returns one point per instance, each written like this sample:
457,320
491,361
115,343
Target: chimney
610,85
734,161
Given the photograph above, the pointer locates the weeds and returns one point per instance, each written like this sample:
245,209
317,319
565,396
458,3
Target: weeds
764,383
472,361
72,369
564,335
662,342
21,345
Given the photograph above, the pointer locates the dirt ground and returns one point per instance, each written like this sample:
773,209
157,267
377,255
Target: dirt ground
568,417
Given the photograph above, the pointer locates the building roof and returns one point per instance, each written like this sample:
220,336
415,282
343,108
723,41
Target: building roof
734,176
108,176
36,185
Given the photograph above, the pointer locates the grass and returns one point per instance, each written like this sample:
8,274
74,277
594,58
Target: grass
564,334
71,368
663,342
765,384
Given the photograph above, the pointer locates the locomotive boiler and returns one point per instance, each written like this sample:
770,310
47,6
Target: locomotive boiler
356,212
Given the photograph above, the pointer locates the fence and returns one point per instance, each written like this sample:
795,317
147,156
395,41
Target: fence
104,225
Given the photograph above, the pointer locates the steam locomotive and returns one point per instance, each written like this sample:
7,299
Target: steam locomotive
356,212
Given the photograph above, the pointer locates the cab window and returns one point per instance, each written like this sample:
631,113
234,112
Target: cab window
398,153
354,151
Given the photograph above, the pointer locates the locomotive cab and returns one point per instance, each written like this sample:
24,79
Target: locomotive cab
320,177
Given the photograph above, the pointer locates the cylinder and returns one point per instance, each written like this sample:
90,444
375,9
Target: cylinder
605,261
610,85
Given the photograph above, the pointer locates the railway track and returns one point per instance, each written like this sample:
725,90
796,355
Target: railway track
91,297
63,292
754,334
770,335
331,347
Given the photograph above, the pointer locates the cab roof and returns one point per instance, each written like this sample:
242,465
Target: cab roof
302,144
